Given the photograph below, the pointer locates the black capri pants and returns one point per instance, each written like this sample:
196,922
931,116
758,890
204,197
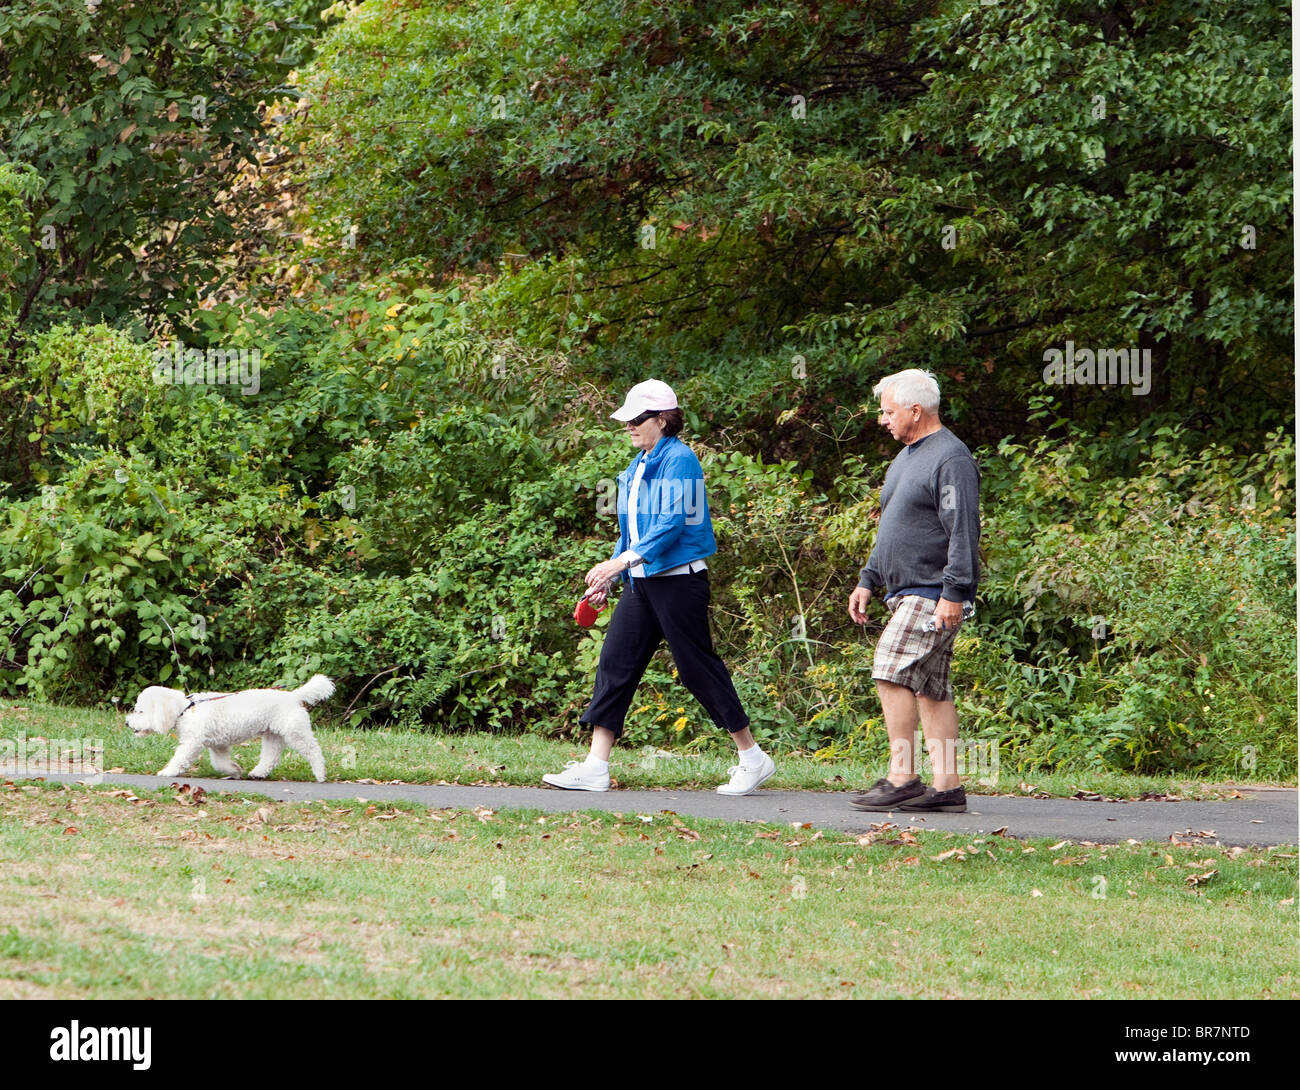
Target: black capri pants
673,608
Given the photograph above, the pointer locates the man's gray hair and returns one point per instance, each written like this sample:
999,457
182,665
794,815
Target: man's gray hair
911,387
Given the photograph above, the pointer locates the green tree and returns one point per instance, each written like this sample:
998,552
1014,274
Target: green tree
861,185
138,119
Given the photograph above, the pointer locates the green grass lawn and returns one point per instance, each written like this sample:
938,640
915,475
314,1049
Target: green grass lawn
390,755
109,894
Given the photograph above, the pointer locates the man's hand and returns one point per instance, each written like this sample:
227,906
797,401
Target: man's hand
858,602
946,614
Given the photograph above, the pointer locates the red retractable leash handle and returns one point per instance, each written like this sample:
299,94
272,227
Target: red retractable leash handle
585,613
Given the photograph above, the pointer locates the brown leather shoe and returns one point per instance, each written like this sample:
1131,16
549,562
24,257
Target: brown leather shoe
883,795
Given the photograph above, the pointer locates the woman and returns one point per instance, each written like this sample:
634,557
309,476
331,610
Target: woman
664,537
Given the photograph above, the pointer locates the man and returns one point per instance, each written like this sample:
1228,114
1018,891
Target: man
927,559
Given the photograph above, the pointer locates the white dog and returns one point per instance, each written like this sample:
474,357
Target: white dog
221,720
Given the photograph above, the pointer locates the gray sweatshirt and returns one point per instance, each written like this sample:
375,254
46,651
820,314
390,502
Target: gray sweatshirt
929,521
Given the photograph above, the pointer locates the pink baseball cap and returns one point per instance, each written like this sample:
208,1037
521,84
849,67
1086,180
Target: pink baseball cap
651,396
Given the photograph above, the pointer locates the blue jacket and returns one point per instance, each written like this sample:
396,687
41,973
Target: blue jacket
672,513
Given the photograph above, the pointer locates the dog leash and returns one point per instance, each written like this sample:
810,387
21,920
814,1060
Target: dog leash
205,700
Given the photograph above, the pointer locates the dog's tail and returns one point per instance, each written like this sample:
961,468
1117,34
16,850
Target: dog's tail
317,689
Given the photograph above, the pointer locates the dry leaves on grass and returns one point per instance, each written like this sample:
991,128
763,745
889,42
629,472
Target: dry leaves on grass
964,852
878,829
685,833
188,795
129,797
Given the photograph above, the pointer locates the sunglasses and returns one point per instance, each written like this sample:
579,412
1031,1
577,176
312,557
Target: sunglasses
637,421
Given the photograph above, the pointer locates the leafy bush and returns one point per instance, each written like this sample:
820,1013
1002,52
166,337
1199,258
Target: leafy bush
1143,623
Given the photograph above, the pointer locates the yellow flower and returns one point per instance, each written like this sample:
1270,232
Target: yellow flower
680,724
395,309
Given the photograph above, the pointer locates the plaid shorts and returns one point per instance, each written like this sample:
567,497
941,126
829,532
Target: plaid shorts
908,655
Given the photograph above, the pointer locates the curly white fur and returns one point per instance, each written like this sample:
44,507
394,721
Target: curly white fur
219,721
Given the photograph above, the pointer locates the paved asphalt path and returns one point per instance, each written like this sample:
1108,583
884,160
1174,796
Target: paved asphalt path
1265,816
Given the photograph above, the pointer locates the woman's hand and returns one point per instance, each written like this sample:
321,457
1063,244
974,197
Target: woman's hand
602,575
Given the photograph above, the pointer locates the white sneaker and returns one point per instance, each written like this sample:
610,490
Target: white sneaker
745,781
577,777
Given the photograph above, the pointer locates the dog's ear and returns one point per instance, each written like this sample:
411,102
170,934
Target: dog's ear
170,704
161,707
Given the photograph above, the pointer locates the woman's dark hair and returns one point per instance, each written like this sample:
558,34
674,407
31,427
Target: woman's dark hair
672,421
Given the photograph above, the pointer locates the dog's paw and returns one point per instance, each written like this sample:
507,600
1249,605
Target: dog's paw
255,776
